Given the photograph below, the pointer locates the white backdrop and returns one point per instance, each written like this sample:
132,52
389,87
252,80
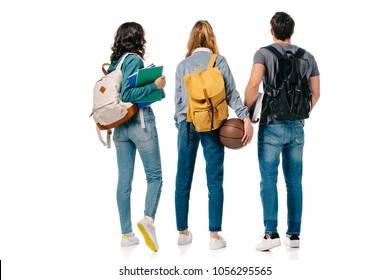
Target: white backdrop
58,212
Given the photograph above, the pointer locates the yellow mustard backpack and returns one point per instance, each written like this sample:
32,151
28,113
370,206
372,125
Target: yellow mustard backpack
207,106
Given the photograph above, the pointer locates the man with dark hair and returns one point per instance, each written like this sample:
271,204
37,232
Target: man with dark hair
284,109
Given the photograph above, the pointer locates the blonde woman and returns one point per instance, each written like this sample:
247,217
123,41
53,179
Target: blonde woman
201,45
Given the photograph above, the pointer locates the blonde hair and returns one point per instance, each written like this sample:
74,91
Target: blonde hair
202,35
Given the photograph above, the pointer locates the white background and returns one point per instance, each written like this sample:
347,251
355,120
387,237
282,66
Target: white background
58,214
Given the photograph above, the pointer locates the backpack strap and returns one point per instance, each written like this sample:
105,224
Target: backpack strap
274,51
212,61
119,66
104,69
299,53
108,138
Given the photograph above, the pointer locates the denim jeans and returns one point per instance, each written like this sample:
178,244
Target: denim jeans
213,152
285,138
129,138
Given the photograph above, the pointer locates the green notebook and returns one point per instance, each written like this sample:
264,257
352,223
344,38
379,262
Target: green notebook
146,76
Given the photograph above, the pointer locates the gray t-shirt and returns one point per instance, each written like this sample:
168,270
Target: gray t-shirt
265,57
268,59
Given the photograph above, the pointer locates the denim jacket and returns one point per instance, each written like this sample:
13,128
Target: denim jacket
202,56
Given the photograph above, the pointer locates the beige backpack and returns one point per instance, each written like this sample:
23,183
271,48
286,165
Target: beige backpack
109,110
207,106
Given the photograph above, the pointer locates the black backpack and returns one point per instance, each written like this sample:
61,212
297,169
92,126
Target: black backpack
287,96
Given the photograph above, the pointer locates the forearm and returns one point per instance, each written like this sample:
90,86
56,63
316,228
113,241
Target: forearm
314,100
314,84
235,102
233,97
252,88
133,94
250,95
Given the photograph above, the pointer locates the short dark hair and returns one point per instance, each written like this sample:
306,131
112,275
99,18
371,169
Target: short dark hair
283,25
130,37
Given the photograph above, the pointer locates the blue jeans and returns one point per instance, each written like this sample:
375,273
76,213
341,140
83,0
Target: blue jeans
129,138
214,153
287,139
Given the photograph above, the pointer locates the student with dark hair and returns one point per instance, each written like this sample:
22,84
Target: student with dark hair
138,134
281,135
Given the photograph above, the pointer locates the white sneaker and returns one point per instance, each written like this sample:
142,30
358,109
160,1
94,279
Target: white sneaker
217,243
185,239
129,239
292,241
149,232
268,242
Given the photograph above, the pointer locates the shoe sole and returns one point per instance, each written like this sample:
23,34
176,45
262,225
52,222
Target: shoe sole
184,243
123,244
216,248
292,243
269,248
147,238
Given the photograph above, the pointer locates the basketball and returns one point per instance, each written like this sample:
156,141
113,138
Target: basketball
231,133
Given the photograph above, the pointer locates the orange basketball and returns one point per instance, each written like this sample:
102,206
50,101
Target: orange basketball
231,133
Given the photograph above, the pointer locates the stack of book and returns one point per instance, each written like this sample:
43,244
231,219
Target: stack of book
146,76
